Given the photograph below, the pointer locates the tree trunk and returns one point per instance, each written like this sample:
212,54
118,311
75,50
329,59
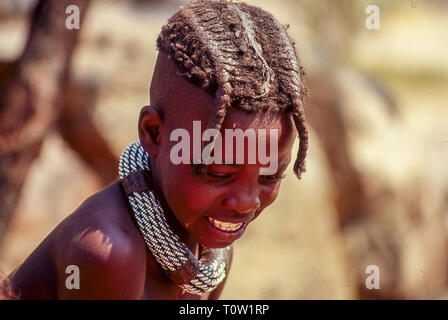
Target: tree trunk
31,94
325,116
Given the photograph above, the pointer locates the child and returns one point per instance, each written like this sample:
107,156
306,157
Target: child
165,229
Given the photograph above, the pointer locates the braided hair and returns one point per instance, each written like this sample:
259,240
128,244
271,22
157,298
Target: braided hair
243,56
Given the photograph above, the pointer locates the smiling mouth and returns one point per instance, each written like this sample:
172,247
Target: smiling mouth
225,226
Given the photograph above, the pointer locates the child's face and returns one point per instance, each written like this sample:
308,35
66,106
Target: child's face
233,194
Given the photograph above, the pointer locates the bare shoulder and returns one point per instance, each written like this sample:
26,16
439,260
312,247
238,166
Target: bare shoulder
100,240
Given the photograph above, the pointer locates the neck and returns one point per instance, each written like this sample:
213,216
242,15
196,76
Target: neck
174,257
178,229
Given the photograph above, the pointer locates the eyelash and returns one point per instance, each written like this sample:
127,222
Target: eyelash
270,178
217,176
275,177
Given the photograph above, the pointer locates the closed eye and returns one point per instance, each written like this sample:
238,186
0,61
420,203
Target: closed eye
218,176
268,179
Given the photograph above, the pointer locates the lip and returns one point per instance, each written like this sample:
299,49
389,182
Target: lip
226,226
231,220
225,236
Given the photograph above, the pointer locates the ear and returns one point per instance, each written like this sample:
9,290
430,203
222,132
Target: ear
150,126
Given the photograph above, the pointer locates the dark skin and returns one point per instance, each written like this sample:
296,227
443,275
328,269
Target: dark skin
100,237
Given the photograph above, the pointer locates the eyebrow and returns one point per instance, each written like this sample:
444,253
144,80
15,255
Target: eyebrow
283,164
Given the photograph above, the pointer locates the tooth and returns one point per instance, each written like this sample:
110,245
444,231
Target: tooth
225,226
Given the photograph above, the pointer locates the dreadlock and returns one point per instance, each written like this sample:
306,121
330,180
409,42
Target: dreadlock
243,56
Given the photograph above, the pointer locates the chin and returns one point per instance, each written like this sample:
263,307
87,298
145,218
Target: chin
214,238
214,245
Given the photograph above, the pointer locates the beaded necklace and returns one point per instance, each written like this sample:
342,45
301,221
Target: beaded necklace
180,264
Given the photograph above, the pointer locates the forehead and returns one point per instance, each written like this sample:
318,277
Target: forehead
176,98
201,107
181,103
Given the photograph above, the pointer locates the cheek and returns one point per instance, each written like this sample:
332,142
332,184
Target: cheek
188,195
268,196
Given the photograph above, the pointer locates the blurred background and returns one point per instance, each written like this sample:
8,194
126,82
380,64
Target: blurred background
376,187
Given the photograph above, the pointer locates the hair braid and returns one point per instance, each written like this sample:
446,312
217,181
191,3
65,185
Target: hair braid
243,56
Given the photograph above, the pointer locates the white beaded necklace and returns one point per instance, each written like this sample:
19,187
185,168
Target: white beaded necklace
193,275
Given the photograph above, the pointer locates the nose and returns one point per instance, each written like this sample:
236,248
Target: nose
243,202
